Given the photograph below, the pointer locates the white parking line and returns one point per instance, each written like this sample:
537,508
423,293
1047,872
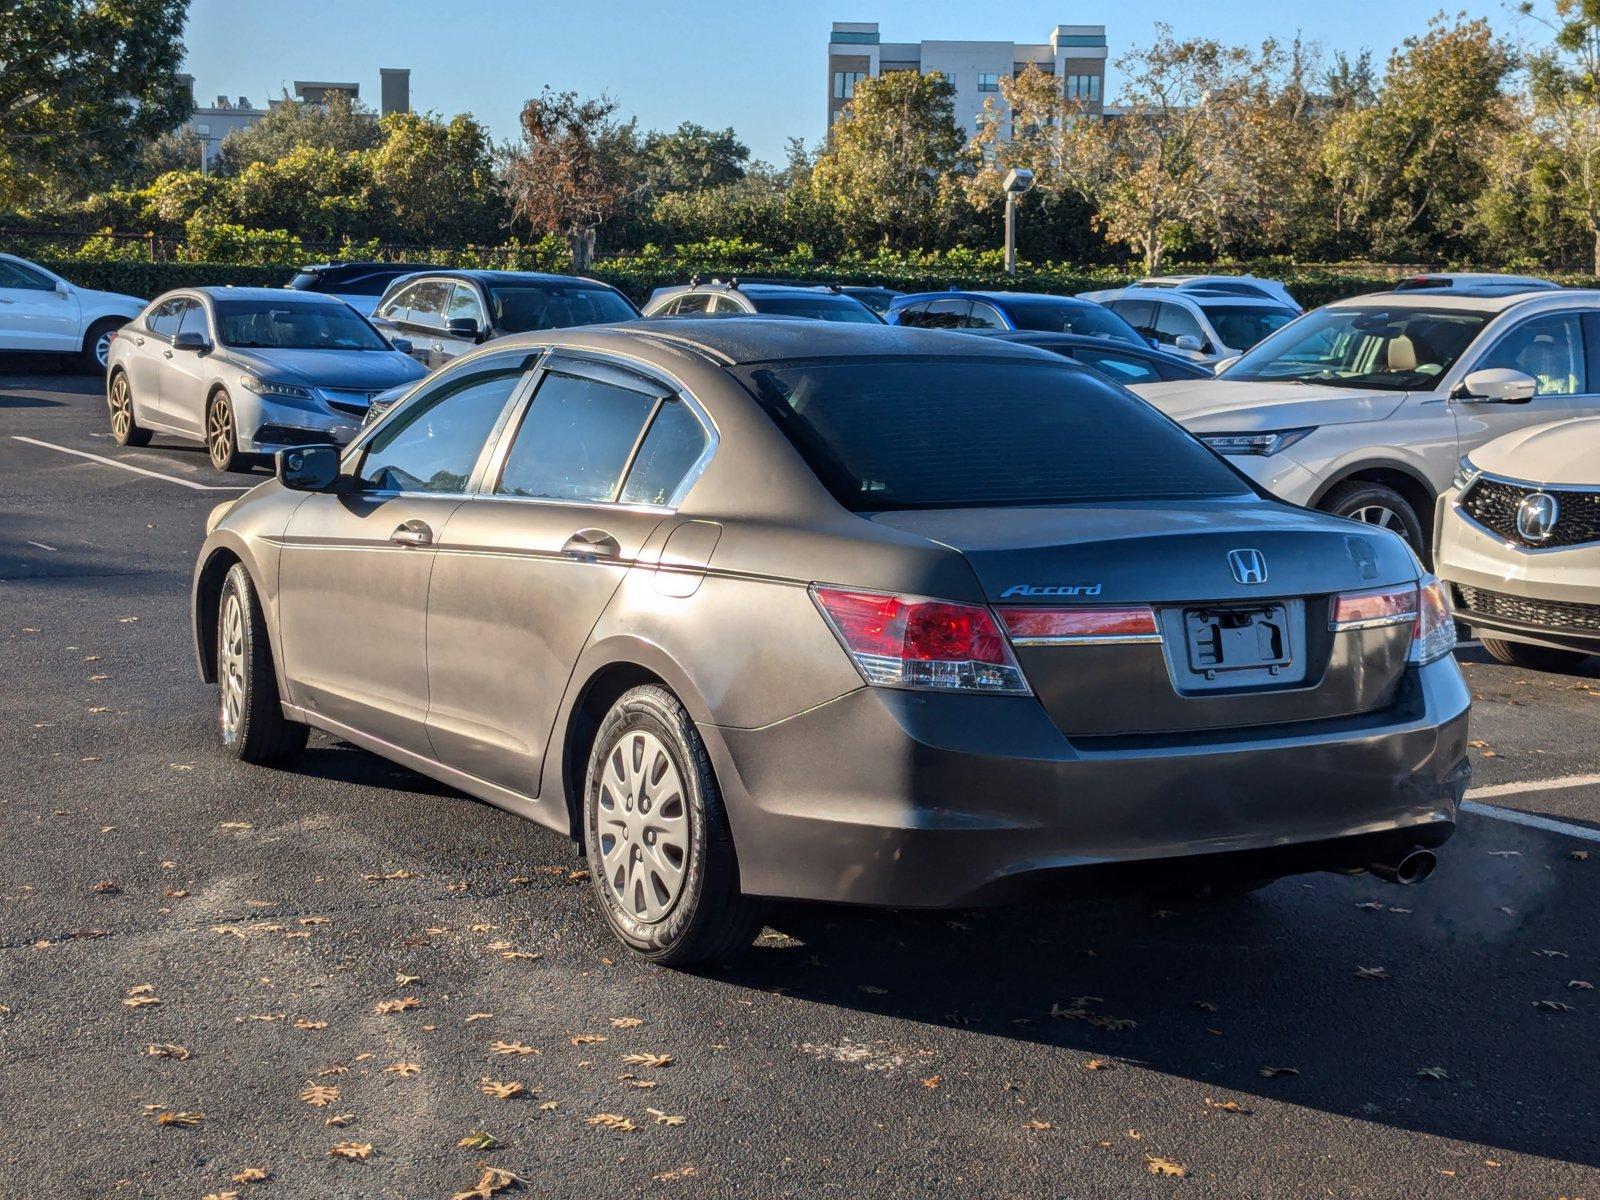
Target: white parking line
1533,785
1531,820
41,546
111,462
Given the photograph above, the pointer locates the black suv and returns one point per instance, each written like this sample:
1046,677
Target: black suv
358,284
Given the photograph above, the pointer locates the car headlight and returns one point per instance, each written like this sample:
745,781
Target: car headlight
1466,474
279,393
1255,443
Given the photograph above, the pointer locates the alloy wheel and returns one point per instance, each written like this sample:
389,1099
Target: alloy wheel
121,408
230,663
1379,515
219,431
102,346
643,827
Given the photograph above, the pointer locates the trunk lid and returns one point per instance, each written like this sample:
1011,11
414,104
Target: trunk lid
1227,654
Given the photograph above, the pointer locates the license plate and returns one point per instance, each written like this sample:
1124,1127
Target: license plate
1237,639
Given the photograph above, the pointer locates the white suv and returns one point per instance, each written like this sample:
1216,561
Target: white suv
41,313
1364,408
1204,326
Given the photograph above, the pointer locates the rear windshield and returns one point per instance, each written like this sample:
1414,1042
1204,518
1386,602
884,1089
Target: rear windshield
1087,318
519,308
287,325
817,308
950,432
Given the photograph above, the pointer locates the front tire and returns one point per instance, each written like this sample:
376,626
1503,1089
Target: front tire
1534,658
1380,505
661,855
125,427
96,352
249,715
222,434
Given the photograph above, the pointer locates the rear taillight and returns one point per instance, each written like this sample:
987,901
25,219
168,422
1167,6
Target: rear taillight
1424,606
911,642
1067,626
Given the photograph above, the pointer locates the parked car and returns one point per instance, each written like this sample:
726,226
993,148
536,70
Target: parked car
1205,326
1363,408
1518,542
877,299
768,299
1118,361
1222,285
775,608
358,284
1479,281
446,313
1011,312
42,313
248,371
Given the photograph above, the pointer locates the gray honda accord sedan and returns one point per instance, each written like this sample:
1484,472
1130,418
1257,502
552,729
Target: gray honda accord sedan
851,613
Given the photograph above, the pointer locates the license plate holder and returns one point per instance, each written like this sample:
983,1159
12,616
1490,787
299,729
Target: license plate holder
1238,638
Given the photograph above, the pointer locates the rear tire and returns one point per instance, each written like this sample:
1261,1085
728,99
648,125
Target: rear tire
1534,658
125,427
96,350
661,855
249,715
222,434
1380,505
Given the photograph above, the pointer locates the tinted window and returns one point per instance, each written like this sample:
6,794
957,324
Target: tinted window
1070,316
1241,326
1549,348
396,306
889,434
1396,349
983,316
433,443
1174,321
519,308
163,318
193,320
427,301
1140,314
693,302
15,275
675,442
936,314
465,305
817,308
293,325
575,440
1124,368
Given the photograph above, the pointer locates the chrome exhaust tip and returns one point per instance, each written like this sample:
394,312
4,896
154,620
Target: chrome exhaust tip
1413,867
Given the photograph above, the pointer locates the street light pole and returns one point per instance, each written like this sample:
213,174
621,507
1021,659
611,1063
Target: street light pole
1018,180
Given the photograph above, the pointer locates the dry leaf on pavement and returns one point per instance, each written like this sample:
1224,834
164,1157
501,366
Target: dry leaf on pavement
1552,1006
1227,1106
1432,1073
492,1181
587,1039
613,1121
650,1061
404,1004
626,1022
1371,973
501,1090
665,1118
403,1069
1037,1125
478,1140
318,1095
1164,1166
1274,1072
169,1050
251,1175
188,1119
352,1150
511,1048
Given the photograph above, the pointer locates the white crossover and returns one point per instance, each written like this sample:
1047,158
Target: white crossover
41,313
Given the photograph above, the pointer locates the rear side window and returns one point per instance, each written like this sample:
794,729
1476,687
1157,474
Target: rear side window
164,317
670,449
1124,368
575,441
937,433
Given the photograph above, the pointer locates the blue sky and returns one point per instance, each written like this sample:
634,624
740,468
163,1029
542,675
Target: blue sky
759,65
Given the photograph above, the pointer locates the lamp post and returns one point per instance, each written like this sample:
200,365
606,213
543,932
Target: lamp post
1018,180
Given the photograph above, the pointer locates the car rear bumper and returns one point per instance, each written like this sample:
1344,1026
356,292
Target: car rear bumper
934,800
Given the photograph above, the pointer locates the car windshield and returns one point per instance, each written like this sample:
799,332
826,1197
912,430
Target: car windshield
276,325
519,308
1241,326
1391,348
957,432
1063,316
817,308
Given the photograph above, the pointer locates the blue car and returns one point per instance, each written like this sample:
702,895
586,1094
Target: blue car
1000,312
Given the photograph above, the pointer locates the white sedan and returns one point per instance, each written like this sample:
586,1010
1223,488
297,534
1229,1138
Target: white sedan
1518,542
41,313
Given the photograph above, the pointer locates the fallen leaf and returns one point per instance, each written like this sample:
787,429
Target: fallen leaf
1505,853
139,1001
665,1118
1098,1064
511,1048
587,1039
932,1081
302,1023
1552,954
236,825
1432,1073
501,1090
1580,985
401,874
471,1017
634,1081
549,1106
167,1050
526,955
1227,1106
1037,1125
339,1120
187,1119
650,1061
1371,973
251,1175
478,1140
1578,855
1274,1072
612,1121
404,1004
1164,1166
404,1069
318,1095
1552,1006
684,1172
405,980
626,1022
493,1180
361,1150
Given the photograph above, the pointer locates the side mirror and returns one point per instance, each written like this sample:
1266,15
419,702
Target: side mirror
1188,341
462,327
192,340
403,345
62,289
308,468
1497,385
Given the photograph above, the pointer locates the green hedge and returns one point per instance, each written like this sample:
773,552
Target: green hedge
150,279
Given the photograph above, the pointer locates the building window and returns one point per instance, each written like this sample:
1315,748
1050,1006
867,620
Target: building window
844,84
988,82
1083,87
203,130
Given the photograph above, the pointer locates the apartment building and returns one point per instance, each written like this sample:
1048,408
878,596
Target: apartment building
213,122
1075,54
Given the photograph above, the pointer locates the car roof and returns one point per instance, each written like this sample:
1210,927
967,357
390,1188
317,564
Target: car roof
997,297
217,292
367,266
1195,296
761,339
750,289
1471,299
490,278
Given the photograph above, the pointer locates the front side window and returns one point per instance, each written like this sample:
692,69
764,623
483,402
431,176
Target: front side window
15,275
193,320
575,440
518,308
1072,316
426,302
433,444
396,306
1549,348
1173,321
294,325
1397,348
1124,368
956,432
465,305
671,447
1241,326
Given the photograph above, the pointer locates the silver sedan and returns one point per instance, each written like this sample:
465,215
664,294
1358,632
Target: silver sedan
248,371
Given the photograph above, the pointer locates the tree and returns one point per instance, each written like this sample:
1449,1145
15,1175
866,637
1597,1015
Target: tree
1564,93
341,124
570,174
1410,168
435,179
84,84
692,158
890,167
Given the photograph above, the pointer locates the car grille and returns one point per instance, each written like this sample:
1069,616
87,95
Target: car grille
1493,505
346,400
1519,610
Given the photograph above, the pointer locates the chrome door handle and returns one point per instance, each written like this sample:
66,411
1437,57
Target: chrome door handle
412,533
592,543
166,354
138,341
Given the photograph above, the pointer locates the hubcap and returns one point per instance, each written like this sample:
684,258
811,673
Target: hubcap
121,408
230,667
102,348
643,827
219,431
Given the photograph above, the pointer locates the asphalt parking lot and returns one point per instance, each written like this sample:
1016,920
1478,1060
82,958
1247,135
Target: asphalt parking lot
208,971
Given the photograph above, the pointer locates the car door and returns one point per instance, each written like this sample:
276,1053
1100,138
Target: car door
1550,347
464,304
147,364
1174,321
1141,314
35,312
184,373
526,569
355,563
